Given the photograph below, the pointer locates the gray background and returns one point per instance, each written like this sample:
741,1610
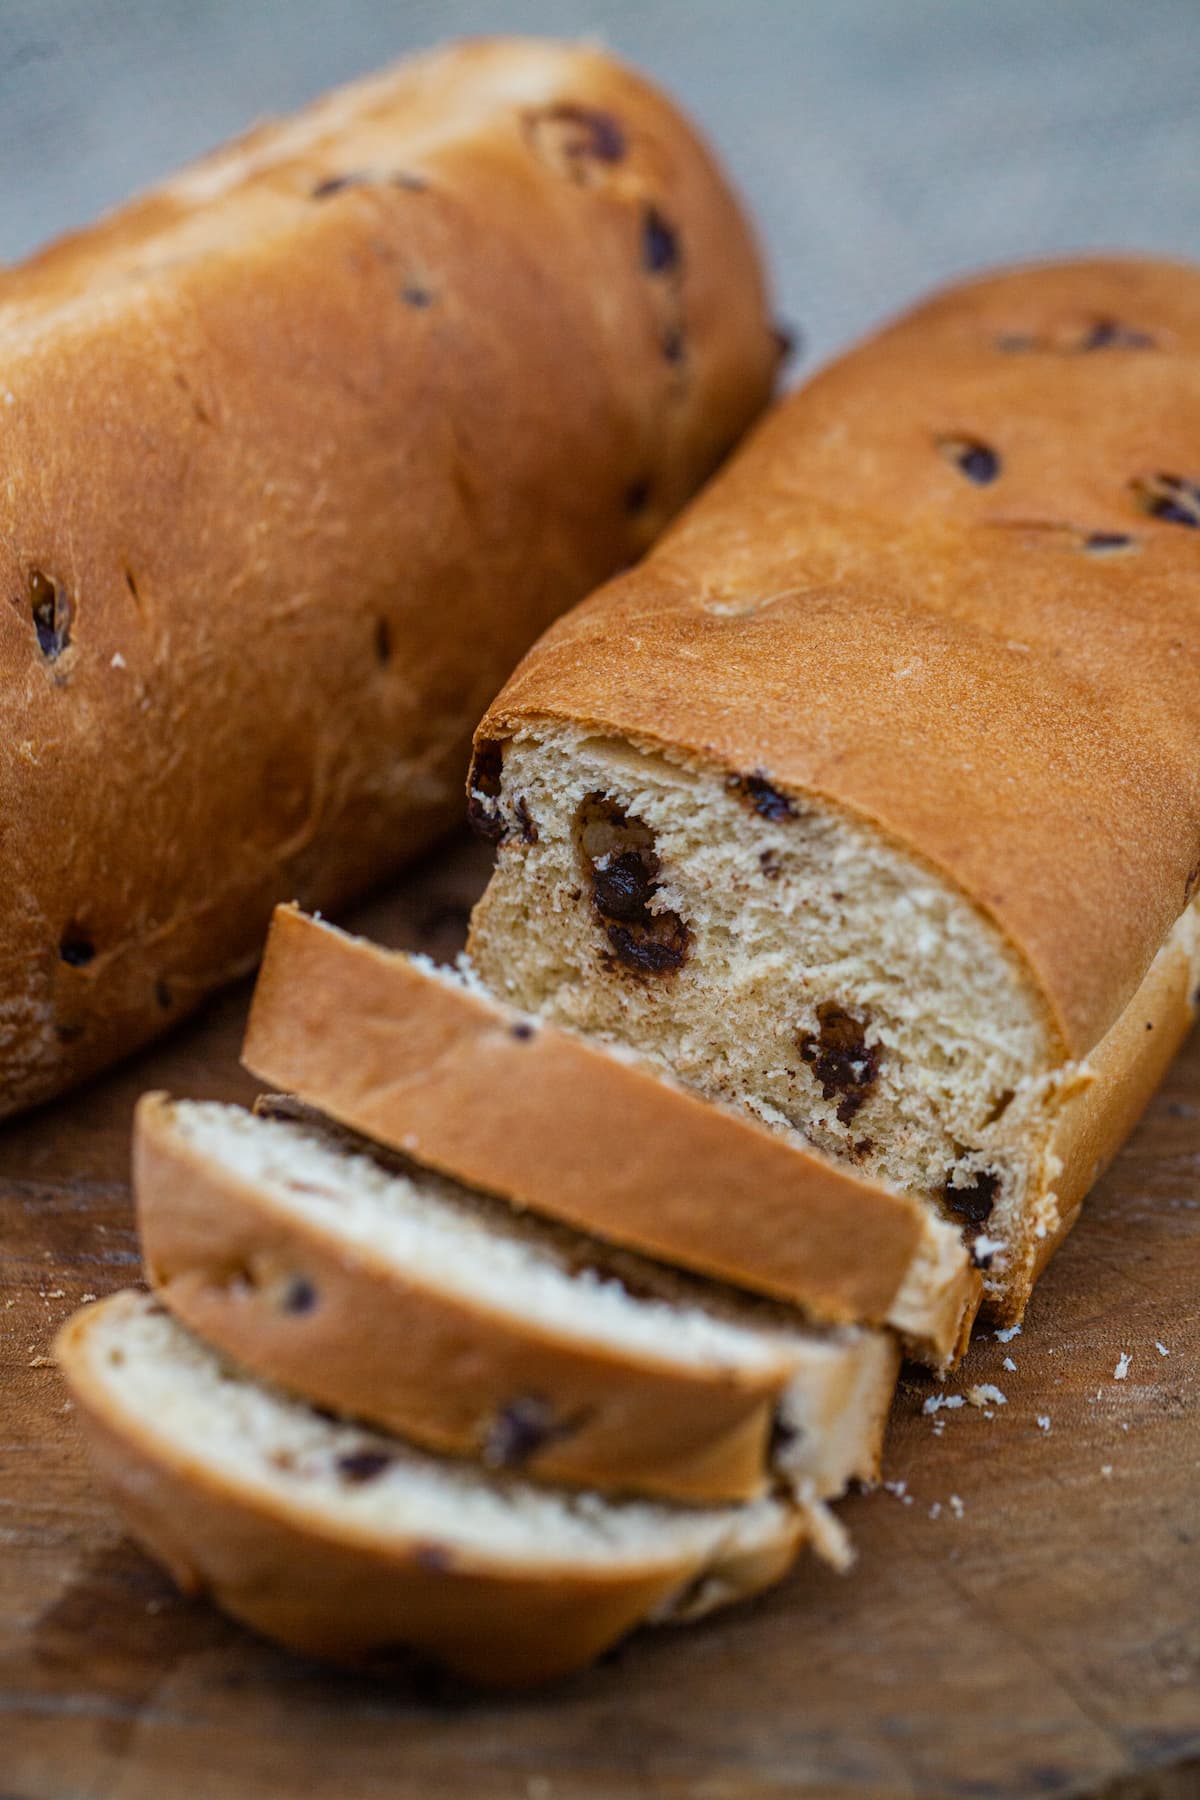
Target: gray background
885,144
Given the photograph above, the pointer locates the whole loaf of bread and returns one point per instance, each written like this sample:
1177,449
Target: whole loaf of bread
870,800
300,451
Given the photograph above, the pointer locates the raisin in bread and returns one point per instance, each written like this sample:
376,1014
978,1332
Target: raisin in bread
301,450
396,1297
869,803
347,1544
428,1063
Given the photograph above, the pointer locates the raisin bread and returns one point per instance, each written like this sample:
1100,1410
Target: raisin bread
301,450
396,1297
347,1544
428,1063
869,802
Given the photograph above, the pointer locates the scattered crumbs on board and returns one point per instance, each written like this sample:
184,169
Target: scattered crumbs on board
1010,1365
956,1506
1008,1334
1043,1420
936,1402
1161,1348
984,1394
1122,1368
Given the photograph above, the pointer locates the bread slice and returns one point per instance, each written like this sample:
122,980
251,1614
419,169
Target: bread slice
346,1544
396,1297
423,1061
866,802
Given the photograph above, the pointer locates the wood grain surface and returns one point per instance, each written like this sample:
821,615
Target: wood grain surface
1024,1618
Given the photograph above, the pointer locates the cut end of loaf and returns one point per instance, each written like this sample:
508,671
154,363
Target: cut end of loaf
777,955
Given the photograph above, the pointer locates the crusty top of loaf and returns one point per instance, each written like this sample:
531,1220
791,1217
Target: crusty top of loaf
310,443
946,586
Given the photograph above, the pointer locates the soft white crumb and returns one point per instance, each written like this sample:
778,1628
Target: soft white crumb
118,661
984,1394
1010,1365
956,1506
1122,1368
899,1488
1161,1348
983,1247
1043,1420
1007,1336
1106,1469
935,1402
935,1511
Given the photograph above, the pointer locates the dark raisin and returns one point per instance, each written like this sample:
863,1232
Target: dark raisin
383,641
1100,541
637,496
359,1466
162,995
765,800
52,613
487,767
674,344
335,184
1170,498
973,1203
661,251
518,1431
413,295
299,1296
789,341
485,821
973,458
528,826
619,854
839,1056
768,862
574,136
76,947
1110,334
523,1031
654,955
785,1435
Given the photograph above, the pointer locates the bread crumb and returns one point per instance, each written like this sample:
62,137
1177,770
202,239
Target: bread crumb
41,1362
118,661
935,1511
899,1488
1010,1365
1122,1368
935,1402
1007,1336
85,1298
1106,1469
1161,1348
956,1506
1043,1420
986,1395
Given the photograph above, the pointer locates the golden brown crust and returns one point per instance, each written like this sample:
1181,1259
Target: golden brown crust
300,451
1122,1073
971,665
549,1121
498,1622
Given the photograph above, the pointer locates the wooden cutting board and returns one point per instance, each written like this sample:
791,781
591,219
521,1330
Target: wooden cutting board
1024,1618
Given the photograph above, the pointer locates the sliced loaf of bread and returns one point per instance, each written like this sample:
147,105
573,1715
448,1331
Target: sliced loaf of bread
866,802
343,1543
397,1297
426,1062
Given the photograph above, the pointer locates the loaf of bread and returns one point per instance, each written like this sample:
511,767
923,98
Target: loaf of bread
394,1297
300,451
869,803
431,1065
344,1543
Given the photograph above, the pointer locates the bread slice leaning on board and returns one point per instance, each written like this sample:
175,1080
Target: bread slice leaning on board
301,450
869,802
387,1294
428,1063
347,1544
